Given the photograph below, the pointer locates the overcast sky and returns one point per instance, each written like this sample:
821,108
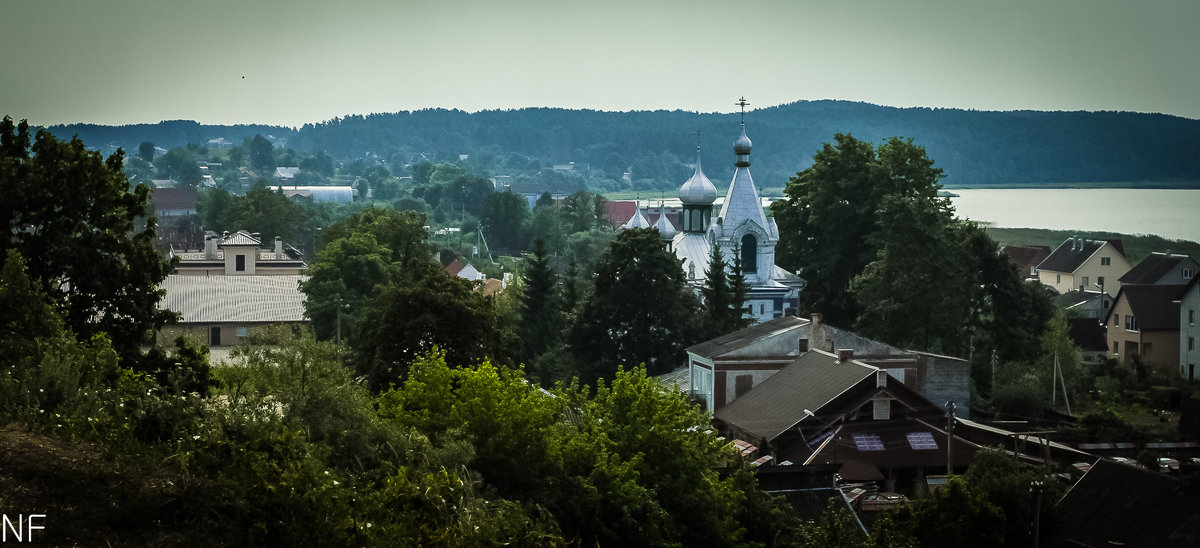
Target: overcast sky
299,61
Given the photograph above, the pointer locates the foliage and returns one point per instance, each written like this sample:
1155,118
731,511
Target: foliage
79,226
640,311
262,154
269,213
504,217
180,164
955,515
541,318
724,296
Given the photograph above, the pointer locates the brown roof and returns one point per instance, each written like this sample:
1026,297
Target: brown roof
745,337
1153,268
173,198
778,403
619,212
1026,256
1154,306
1121,505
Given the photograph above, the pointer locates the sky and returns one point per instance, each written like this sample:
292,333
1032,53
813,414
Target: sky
301,61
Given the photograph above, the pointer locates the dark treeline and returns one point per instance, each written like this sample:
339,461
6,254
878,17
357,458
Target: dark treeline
973,147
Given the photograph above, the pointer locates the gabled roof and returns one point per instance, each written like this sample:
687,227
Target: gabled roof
1120,505
1154,306
617,212
1153,268
745,337
173,198
1071,254
778,403
1026,256
240,237
235,299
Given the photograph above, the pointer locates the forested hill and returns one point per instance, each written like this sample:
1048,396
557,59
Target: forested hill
971,146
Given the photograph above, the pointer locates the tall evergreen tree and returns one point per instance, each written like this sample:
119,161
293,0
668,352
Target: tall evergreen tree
541,317
724,296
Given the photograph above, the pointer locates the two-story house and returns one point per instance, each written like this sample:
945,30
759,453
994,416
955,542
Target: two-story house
1161,269
1144,321
1080,264
1189,331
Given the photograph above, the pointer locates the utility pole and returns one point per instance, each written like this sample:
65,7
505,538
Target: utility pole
949,439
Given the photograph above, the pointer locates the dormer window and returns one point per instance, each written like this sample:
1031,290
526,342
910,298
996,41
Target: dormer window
1188,273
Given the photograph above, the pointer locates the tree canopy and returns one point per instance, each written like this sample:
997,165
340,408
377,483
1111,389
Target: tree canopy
86,236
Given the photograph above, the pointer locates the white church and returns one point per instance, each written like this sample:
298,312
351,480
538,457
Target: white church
741,226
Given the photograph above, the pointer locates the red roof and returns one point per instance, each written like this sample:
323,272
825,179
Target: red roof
619,212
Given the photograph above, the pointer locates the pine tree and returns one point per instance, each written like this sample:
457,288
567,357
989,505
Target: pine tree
724,294
541,318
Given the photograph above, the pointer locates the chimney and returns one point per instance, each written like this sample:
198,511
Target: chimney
817,336
210,246
845,354
278,245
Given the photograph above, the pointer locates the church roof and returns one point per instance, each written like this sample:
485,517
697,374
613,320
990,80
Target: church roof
666,230
698,190
637,221
742,202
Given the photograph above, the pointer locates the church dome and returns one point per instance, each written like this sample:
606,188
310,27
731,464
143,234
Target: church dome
666,230
742,144
698,190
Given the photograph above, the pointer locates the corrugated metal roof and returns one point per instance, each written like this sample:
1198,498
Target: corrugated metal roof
240,237
778,403
235,299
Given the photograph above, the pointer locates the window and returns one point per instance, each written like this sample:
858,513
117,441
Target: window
749,254
1058,278
1085,282
241,331
762,308
1100,281
240,263
1191,317
1116,348
922,441
882,409
1116,320
1191,343
868,442
1130,323
1187,273
1105,261
1033,271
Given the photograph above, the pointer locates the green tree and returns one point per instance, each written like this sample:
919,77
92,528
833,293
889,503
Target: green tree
215,207
426,308
724,303
180,164
504,218
86,236
262,155
833,205
546,224
640,311
269,213
146,151
541,319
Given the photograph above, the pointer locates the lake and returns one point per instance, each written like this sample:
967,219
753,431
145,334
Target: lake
1171,214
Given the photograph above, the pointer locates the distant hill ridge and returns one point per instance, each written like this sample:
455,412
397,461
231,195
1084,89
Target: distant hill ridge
973,147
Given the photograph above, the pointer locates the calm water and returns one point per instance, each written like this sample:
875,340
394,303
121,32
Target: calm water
1168,213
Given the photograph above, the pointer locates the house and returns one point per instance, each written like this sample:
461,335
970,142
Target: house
1161,269
286,174
175,210
723,369
1085,264
221,310
1027,259
1090,336
1089,303
1144,321
619,212
1189,304
238,254
464,270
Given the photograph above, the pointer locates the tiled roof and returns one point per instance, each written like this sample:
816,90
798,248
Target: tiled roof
1070,255
1153,268
745,337
173,198
230,299
778,403
619,212
1154,306
1026,256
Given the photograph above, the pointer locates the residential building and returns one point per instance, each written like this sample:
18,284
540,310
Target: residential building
1084,265
1189,329
1144,321
725,368
1027,259
1161,269
1090,303
238,254
319,194
221,310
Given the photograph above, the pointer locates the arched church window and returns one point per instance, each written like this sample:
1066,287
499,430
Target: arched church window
696,220
749,253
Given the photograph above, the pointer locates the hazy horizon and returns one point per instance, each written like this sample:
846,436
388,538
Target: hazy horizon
291,63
